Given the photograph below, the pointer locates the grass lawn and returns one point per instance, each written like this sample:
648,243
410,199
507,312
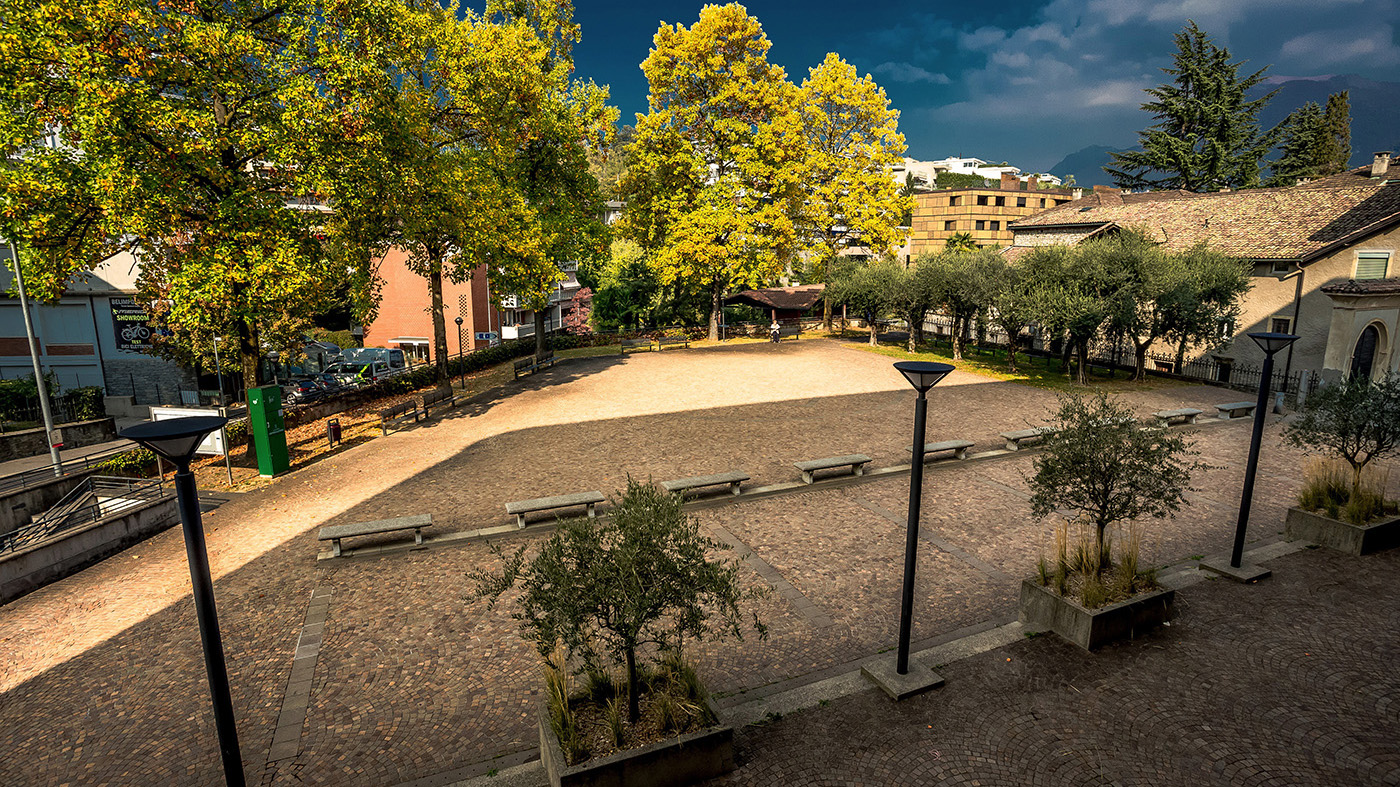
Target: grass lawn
1034,371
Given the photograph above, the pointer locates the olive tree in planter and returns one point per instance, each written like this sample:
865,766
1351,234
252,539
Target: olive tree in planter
607,592
1099,464
1352,422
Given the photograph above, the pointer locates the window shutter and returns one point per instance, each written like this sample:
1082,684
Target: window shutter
1372,264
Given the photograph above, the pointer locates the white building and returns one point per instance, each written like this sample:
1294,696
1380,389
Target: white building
926,172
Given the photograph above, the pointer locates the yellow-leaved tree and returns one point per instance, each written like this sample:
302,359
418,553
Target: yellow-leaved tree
714,170
852,139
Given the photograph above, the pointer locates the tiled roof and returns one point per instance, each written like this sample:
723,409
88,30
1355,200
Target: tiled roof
800,298
1368,287
1278,223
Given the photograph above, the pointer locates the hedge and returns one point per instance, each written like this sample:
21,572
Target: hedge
85,404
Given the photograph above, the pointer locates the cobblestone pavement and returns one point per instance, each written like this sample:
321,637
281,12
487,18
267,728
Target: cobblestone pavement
102,678
1289,682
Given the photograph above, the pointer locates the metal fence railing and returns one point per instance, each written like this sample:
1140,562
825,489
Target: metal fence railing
98,497
20,481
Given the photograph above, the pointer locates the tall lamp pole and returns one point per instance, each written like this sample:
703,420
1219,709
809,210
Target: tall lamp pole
923,376
176,440
219,369
461,354
1271,344
39,381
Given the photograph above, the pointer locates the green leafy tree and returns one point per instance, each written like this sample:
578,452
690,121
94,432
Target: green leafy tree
911,296
866,289
1070,296
852,139
1208,287
714,173
608,587
961,241
178,132
1012,303
1357,419
1301,149
1101,465
960,285
1207,133
1144,277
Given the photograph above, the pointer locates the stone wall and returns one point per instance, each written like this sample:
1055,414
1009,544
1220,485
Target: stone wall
33,442
18,509
149,380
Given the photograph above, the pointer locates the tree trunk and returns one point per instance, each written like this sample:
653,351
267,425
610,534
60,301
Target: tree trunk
1065,353
1082,351
1010,349
249,355
957,336
826,315
716,308
1102,561
874,340
1140,359
539,332
439,321
916,331
1181,356
633,705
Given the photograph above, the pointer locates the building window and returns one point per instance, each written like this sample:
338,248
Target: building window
1020,202
1227,329
982,200
1042,202
1282,267
981,225
949,226
953,202
1001,202
1372,264
996,226
1280,325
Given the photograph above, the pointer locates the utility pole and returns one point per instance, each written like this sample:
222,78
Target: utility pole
49,432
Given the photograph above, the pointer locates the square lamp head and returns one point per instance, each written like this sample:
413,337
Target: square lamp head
923,375
175,439
1271,343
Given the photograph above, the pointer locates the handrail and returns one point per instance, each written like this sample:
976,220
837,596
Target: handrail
16,482
69,514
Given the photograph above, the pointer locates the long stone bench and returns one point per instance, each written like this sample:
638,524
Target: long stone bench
1184,415
633,344
734,478
1233,409
856,462
522,507
1014,439
335,533
958,447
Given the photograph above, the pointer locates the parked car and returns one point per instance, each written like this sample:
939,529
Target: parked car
304,390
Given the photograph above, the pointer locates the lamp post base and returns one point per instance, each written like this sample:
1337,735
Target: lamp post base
919,679
1246,573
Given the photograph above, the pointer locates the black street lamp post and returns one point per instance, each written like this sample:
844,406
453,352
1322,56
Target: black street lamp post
176,440
461,354
1271,344
900,684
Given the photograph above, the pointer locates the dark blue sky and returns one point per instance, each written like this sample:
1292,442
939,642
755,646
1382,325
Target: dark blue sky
1026,82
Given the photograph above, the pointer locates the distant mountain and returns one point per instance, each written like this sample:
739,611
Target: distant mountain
1086,165
1375,121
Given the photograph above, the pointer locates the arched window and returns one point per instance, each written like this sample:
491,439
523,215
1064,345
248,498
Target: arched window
1364,356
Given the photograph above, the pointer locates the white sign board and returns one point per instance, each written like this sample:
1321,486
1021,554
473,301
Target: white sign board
213,444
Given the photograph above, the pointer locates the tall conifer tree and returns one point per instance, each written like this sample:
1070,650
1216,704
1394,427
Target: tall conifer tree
1336,131
1207,133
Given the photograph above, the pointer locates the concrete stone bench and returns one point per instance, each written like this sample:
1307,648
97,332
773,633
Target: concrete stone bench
397,413
958,447
734,478
1014,439
1228,411
1185,415
672,341
533,364
856,462
632,344
522,507
335,533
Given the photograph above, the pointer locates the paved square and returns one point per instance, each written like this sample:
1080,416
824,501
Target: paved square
102,678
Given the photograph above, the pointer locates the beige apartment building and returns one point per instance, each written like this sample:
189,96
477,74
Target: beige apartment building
1325,257
984,213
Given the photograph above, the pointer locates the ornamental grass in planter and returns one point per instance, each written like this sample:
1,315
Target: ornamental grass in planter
1342,504
1103,468
625,592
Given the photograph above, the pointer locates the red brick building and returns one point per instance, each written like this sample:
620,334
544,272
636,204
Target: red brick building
405,319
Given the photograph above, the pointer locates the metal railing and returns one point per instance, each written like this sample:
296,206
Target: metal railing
17,482
95,498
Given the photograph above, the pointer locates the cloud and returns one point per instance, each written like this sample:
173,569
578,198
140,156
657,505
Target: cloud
1336,47
908,72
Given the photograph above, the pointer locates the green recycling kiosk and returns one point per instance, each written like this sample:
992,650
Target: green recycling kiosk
265,426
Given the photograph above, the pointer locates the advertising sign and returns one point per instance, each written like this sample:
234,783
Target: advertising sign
130,326
213,444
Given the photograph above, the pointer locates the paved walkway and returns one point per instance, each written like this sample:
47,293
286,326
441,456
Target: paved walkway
103,679
1289,682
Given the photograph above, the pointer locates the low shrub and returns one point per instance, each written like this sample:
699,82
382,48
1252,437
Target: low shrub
1331,488
136,463
85,404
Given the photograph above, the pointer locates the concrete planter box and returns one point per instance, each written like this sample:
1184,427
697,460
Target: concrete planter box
1042,609
1342,536
690,758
